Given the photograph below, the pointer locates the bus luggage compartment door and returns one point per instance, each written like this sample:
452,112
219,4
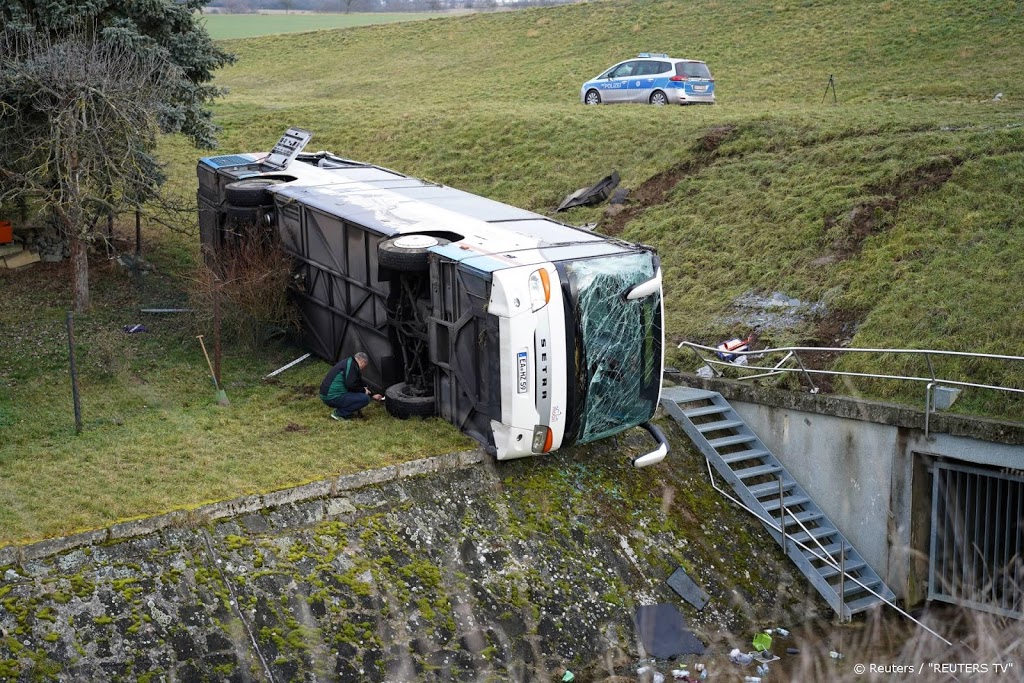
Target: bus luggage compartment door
464,347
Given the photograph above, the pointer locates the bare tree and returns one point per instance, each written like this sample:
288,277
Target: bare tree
78,124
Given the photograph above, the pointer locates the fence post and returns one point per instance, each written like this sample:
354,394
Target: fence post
74,372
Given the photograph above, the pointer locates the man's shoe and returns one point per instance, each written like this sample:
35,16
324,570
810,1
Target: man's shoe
336,416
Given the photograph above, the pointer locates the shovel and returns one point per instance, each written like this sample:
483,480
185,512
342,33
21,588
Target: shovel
222,398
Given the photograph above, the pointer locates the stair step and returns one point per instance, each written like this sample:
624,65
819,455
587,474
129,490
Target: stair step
731,440
740,456
770,488
819,533
852,587
832,550
752,472
803,517
863,604
706,410
716,426
828,571
773,503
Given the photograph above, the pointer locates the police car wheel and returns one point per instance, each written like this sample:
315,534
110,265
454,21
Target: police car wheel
592,97
658,98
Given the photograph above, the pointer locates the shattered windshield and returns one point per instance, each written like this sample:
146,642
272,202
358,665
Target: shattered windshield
618,344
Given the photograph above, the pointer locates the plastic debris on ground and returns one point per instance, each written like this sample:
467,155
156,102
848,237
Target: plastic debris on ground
568,677
728,349
134,329
762,642
663,632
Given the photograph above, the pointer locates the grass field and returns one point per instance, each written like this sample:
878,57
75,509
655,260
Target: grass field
897,209
231,26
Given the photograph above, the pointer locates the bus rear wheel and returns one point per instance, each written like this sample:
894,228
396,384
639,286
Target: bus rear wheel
407,253
403,401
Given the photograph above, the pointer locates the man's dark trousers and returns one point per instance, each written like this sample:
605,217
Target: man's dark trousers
349,403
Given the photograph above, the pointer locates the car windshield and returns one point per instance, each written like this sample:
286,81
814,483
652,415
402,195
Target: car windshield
693,69
619,362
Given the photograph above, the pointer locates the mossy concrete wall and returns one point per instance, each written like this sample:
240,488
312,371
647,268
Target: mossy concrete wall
454,568
859,459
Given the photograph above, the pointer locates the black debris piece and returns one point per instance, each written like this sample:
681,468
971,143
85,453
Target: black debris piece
589,196
687,589
620,196
664,634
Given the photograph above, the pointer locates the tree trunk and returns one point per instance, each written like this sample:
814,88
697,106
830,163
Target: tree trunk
79,273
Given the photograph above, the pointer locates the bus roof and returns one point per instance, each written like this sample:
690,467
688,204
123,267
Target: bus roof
392,204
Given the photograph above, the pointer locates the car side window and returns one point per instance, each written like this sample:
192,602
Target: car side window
650,68
624,70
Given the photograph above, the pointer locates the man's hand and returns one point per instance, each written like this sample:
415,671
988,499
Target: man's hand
378,397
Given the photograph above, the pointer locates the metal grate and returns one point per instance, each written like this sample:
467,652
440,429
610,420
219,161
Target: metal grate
228,160
977,539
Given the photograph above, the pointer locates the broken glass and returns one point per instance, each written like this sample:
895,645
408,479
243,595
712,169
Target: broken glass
620,354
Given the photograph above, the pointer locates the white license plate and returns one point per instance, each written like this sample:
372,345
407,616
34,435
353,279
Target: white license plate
523,364
700,88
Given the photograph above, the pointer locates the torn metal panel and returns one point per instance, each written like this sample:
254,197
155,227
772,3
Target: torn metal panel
589,196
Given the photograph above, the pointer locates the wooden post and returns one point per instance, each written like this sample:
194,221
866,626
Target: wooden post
216,329
138,233
74,372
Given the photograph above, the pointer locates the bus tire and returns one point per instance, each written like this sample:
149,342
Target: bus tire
402,403
407,253
245,214
250,192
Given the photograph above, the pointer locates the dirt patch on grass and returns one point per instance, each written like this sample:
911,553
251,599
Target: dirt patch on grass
877,214
303,392
655,189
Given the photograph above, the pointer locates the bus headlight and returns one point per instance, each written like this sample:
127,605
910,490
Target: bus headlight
542,438
540,289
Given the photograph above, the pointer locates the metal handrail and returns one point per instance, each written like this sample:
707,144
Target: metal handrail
793,352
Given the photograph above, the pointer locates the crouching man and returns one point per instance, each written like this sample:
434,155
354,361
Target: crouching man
343,388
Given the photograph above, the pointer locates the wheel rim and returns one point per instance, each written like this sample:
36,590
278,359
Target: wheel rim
658,99
593,98
415,242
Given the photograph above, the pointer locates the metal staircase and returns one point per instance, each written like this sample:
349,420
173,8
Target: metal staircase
815,545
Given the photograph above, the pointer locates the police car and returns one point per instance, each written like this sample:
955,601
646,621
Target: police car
654,79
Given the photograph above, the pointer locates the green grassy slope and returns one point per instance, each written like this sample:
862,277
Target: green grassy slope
231,26
898,208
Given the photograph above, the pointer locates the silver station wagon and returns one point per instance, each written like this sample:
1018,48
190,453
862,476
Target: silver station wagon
653,79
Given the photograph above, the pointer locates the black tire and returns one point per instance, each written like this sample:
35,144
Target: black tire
592,97
245,214
658,98
250,192
407,253
402,402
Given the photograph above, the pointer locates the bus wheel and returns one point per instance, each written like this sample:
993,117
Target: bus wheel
407,253
403,402
250,192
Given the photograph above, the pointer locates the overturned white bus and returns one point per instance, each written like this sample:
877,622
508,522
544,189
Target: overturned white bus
525,333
